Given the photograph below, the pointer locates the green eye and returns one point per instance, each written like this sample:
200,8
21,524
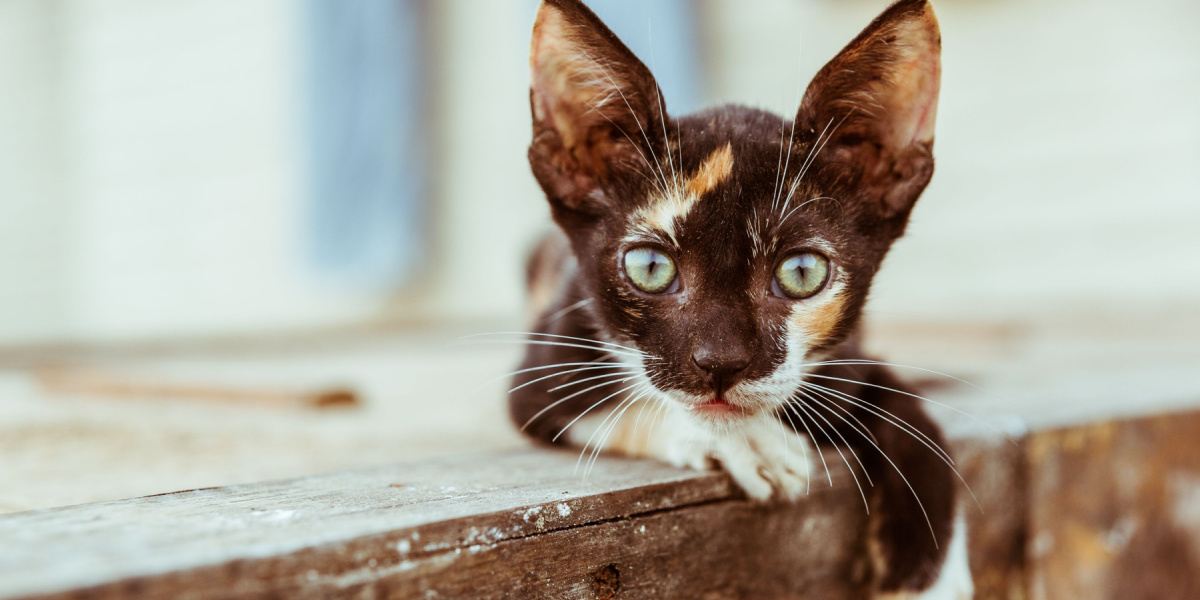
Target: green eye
801,275
650,270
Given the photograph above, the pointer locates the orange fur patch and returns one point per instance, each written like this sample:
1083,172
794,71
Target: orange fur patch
712,172
820,322
661,215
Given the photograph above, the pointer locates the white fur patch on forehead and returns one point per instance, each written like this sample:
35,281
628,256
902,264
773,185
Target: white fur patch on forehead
678,199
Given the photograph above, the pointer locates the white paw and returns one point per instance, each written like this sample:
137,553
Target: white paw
766,459
664,433
954,580
687,450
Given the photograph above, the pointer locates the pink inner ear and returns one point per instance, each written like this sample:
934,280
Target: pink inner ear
913,96
550,73
574,88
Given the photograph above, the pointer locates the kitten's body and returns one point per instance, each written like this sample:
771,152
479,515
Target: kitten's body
737,359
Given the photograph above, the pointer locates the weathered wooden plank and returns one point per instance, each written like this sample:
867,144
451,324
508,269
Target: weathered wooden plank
1102,510
728,549
995,509
1114,509
515,525
721,549
414,510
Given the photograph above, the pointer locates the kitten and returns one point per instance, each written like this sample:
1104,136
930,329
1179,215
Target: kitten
700,302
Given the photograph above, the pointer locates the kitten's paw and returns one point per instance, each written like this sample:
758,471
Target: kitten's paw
662,433
686,451
766,459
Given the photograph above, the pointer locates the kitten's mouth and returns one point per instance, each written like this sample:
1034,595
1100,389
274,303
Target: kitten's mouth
718,406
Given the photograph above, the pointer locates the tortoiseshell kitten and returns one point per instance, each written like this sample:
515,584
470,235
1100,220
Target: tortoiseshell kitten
700,304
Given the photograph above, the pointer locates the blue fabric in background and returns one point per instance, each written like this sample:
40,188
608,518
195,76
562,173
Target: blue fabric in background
665,35
367,166
367,141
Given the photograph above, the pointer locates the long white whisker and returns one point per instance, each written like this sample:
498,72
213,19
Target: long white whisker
563,386
558,344
566,310
637,421
786,161
616,421
540,368
813,413
657,184
911,395
811,150
851,415
660,412
813,157
778,165
886,415
868,361
802,205
554,336
904,426
606,427
812,437
576,394
804,455
903,478
649,146
916,496
817,401
662,117
599,428
590,408
569,372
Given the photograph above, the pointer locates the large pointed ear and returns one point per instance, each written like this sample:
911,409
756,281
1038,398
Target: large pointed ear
876,102
595,108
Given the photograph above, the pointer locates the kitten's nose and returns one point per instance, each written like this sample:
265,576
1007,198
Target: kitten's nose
721,364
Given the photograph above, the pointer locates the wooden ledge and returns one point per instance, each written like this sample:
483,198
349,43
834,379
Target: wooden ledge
479,526
1067,512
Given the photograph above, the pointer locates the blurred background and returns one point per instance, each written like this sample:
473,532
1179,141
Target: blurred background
263,200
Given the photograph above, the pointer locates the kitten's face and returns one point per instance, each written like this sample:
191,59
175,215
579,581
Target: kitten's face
733,246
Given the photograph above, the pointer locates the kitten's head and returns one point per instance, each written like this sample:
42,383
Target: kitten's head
733,246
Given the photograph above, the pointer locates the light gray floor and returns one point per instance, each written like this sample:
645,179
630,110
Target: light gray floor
426,395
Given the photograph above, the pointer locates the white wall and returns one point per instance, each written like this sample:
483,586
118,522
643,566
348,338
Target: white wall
489,207
1068,149
166,195
175,204
35,276
151,169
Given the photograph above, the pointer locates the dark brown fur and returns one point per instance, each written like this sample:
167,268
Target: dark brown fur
595,165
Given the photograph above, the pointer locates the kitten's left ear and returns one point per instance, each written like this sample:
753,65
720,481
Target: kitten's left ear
879,97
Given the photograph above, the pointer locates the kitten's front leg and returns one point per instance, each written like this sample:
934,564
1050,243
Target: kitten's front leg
917,540
764,458
954,581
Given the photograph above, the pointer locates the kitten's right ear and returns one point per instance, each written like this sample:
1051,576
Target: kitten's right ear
595,107
878,100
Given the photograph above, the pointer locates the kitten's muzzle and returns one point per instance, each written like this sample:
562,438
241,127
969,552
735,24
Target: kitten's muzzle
720,367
